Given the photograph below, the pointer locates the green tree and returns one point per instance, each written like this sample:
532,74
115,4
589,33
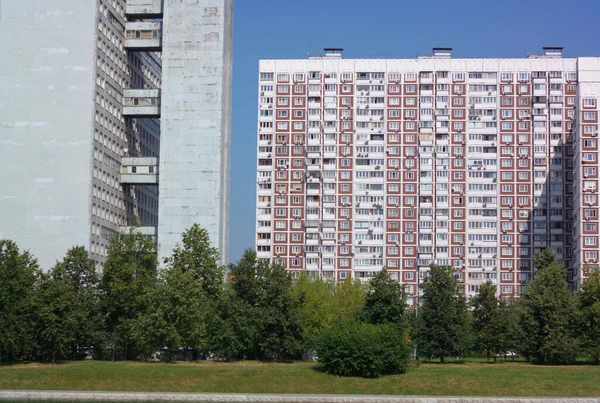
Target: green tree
281,336
264,291
128,277
443,317
589,309
176,315
18,275
317,307
55,324
509,308
349,297
490,321
68,320
386,301
547,312
235,325
196,255
186,296
81,272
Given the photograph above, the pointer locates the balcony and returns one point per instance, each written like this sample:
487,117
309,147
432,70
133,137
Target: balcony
143,36
146,231
142,103
139,171
144,9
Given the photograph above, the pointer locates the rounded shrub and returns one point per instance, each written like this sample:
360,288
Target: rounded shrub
353,348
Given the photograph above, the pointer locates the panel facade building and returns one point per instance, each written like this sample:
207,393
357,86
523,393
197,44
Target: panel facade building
472,163
81,139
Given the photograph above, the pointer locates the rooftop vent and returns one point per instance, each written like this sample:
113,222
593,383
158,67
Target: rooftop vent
552,50
438,53
335,53
330,53
442,52
549,52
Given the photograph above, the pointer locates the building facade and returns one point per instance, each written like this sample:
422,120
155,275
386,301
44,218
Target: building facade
196,112
472,163
80,134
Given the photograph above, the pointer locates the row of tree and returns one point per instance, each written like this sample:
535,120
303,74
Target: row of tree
194,309
547,325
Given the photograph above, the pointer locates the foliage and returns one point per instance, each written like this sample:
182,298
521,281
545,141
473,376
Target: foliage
196,255
323,303
444,319
514,333
129,276
234,327
547,311
281,337
68,323
350,297
18,275
490,321
318,305
176,315
354,348
589,308
386,301
186,295
271,324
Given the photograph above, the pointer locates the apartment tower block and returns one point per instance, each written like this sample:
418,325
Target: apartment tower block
101,130
473,163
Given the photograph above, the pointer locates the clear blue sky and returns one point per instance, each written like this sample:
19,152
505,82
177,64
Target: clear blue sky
280,29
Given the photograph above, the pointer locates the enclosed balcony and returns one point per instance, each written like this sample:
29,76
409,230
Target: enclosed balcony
144,9
143,36
142,103
146,231
139,170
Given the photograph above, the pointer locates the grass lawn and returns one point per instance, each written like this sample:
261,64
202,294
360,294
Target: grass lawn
464,379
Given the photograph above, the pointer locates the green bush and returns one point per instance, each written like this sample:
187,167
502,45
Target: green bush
354,348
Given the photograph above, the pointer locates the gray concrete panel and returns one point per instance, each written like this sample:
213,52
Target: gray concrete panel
195,122
46,118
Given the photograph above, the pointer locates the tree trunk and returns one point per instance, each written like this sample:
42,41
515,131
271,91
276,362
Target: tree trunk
442,359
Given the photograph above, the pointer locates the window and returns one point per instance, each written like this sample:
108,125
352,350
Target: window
458,76
589,102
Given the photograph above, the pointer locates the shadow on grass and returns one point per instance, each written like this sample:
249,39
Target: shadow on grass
45,363
473,360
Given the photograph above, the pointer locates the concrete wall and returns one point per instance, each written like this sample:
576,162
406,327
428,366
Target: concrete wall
195,127
46,113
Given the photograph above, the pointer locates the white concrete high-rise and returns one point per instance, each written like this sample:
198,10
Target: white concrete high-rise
472,163
196,114
80,135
